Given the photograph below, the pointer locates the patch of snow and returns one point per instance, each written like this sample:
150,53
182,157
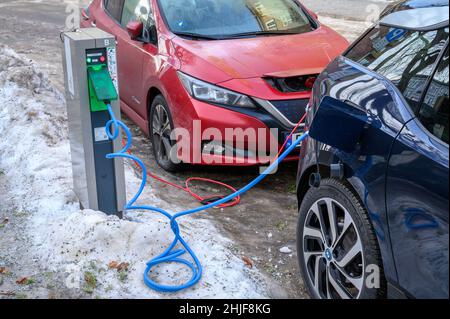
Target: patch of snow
285,250
349,29
37,178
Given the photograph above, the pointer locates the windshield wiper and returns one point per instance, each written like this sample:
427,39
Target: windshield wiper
196,36
258,33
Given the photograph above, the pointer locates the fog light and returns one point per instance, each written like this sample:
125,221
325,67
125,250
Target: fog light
221,148
213,147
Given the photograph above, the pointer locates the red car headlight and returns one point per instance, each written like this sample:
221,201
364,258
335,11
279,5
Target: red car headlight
206,92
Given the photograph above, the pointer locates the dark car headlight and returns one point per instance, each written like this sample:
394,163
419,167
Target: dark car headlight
207,92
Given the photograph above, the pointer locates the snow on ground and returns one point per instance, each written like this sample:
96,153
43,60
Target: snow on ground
36,178
349,29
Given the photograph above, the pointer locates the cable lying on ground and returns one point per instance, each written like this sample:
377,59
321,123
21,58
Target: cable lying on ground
171,254
188,189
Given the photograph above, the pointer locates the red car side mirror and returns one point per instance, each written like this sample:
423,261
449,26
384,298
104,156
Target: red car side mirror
134,29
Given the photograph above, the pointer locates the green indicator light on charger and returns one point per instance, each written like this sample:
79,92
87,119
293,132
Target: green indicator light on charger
89,60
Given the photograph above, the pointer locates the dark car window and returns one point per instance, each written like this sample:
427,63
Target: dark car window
233,17
434,111
407,58
114,8
135,10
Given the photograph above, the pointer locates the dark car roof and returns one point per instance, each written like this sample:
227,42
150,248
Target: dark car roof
424,19
413,4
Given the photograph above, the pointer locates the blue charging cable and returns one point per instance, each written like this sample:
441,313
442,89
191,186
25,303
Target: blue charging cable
171,254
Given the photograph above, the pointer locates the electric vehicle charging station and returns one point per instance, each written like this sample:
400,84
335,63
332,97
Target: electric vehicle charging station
90,69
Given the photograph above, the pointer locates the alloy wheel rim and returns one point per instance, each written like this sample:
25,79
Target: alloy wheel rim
161,133
332,251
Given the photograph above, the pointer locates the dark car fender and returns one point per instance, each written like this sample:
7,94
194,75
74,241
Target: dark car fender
366,192
364,169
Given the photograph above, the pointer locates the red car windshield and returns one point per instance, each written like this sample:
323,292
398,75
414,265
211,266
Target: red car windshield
234,18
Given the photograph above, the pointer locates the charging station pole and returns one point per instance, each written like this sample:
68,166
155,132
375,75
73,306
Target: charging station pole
90,69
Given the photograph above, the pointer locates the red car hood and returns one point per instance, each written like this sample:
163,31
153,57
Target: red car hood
278,56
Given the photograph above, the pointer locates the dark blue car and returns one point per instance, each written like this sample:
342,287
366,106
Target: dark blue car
373,182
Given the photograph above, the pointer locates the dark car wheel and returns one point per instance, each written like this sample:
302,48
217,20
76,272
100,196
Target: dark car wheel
337,248
161,127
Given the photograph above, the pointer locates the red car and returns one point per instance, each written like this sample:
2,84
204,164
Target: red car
220,72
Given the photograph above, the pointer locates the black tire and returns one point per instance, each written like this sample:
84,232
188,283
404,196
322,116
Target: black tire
161,140
335,268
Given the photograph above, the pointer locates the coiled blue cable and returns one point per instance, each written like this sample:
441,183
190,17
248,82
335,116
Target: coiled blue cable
171,254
